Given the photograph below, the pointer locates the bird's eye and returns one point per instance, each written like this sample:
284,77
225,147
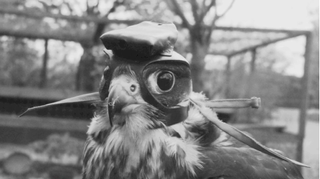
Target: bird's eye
165,81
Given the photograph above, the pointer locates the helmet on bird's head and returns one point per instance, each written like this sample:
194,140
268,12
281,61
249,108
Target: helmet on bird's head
142,46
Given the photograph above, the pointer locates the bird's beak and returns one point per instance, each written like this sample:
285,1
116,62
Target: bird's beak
120,101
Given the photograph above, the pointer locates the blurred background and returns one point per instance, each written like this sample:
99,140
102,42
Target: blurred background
50,50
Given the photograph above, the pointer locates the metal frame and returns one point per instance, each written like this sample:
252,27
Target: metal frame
305,80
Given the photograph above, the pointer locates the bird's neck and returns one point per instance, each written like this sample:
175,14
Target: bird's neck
137,150
153,150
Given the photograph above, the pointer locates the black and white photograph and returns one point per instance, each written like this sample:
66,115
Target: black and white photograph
159,89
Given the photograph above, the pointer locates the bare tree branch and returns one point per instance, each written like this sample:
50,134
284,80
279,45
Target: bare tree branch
217,17
58,35
195,8
40,15
176,8
156,15
229,7
88,7
98,3
206,9
101,26
203,4
69,7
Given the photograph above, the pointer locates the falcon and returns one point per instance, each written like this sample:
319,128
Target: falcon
149,124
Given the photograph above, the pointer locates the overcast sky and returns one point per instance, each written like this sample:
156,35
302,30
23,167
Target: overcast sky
280,14
286,14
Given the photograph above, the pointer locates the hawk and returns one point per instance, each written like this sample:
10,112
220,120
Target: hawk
149,124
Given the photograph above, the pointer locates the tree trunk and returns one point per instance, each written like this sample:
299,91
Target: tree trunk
199,52
85,79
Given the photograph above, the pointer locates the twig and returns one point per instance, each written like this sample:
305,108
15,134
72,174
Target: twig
195,8
206,9
221,15
176,8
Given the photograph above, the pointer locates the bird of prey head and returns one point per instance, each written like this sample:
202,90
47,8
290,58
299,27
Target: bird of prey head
152,88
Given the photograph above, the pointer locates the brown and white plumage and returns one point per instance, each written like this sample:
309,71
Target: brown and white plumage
139,145
150,125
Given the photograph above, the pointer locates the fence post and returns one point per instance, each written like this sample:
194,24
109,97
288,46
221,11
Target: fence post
305,83
228,77
43,74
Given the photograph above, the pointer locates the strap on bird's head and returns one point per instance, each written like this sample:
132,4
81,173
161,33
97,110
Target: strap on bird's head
141,45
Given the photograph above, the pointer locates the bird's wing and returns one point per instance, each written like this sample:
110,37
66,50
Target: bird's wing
244,163
238,134
231,162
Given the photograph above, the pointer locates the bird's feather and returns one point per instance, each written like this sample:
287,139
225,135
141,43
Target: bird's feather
201,150
244,163
239,135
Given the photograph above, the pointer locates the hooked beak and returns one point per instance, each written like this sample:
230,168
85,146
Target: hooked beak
120,101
